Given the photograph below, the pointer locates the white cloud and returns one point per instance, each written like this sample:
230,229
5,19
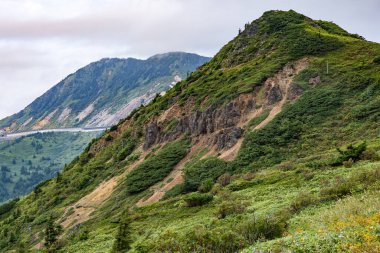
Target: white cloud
42,41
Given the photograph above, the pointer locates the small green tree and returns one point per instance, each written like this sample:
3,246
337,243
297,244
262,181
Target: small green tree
123,238
52,231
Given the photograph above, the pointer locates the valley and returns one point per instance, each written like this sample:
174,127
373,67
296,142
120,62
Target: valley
261,149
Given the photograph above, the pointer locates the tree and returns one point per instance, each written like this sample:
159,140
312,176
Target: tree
123,238
52,232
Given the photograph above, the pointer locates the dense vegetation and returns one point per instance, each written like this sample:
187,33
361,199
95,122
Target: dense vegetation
308,181
29,160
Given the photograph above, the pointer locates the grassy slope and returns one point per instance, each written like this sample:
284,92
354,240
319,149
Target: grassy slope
32,159
279,187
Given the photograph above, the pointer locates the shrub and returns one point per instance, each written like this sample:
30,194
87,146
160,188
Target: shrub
156,167
286,166
264,228
377,59
7,207
123,238
370,154
126,151
351,152
202,170
339,188
206,186
175,191
198,199
229,208
109,137
302,201
249,176
224,179
349,163
113,128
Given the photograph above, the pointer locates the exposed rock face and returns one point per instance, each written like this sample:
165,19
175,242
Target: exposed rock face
218,121
221,124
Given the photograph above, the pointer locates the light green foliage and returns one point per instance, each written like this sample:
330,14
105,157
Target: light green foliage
295,200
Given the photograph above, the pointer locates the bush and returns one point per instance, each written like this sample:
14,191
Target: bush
202,170
206,186
370,154
224,179
264,228
286,166
175,191
377,59
156,167
339,188
198,199
109,137
352,152
349,163
127,150
229,208
302,201
113,128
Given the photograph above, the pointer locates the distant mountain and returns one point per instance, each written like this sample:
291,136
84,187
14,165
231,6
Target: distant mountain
103,92
272,146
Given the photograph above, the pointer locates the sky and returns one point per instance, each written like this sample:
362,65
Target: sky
43,41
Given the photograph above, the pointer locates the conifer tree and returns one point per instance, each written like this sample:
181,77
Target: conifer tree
123,239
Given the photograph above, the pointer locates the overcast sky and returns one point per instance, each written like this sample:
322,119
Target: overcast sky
42,41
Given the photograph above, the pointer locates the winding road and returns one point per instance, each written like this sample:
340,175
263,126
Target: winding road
55,130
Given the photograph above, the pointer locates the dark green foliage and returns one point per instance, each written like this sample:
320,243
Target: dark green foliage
268,146
206,185
203,170
123,238
156,167
198,199
113,128
109,137
52,231
128,148
7,207
351,152
175,191
376,60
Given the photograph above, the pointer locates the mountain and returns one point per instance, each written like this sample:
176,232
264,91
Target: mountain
272,146
103,92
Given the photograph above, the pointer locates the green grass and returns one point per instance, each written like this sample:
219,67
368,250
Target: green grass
283,195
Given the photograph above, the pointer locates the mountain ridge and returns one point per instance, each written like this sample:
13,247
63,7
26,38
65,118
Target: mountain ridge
304,177
97,85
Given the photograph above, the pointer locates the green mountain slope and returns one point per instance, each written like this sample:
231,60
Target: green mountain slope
103,92
272,146
29,160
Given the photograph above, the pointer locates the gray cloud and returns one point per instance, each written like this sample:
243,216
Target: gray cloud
41,41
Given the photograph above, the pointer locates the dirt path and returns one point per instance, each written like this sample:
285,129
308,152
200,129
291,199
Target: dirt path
174,178
81,211
284,80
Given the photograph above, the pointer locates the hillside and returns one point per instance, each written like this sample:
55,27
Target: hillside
103,92
29,160
272,146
